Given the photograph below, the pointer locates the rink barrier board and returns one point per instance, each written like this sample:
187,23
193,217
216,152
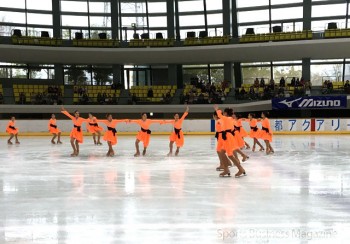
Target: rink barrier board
193,127
65,134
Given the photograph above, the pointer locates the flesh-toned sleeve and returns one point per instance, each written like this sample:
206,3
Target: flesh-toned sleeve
67,114
184,115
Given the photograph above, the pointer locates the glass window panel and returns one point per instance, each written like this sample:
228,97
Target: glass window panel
94,34
39,5
99,7
245,3
274,2
253,16
70,33
19,73
251,73
188,6
153,34
347,72
214,19
217,75
183,33
132,7
12,4
70,20
214,5
157,21
13,17
74,6
287,13
139,21
39,19
7,30
215,31
322,24
37,31
100,21
294,26
288,72
191,20
258,29
329,10
322,72
157,7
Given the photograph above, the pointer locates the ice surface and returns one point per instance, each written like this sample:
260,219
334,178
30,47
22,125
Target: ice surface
301,194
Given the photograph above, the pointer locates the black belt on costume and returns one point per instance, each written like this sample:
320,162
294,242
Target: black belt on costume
112,129
78,127
12,127
53,126
148,131
254,128
93,124
238,128
265,129
177,132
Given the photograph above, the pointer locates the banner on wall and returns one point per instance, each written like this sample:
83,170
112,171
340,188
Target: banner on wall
310,125
314,102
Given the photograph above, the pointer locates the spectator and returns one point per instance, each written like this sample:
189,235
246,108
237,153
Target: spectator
272,84
256,82
134,98
99,98
282,82
347,87
150,92
1,98
297,82
281,91
243,93
22,98
293,83
262,82
252,93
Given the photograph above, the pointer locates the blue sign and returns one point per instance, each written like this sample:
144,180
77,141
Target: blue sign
315,102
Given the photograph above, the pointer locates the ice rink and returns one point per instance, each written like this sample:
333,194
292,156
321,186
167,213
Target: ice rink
301,194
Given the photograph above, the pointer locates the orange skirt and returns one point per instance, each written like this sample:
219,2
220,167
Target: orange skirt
220,144
144,137
12,131
239,140
243,132
77,135
265,136
94,129
230,144
54,130
254,134
109,136
178,141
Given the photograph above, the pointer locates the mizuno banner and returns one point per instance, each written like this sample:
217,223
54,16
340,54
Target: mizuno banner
309,102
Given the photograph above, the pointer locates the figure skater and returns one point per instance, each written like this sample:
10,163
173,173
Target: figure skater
220,143
144,134
237,136
12,130
76,135
111,134
94,129
240,128
254,131
54,130
229,143
177,135
266,132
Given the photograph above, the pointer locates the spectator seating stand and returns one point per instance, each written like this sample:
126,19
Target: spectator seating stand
159,92
279,36
36,41
211,40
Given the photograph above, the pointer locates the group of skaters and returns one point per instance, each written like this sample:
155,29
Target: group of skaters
230,135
